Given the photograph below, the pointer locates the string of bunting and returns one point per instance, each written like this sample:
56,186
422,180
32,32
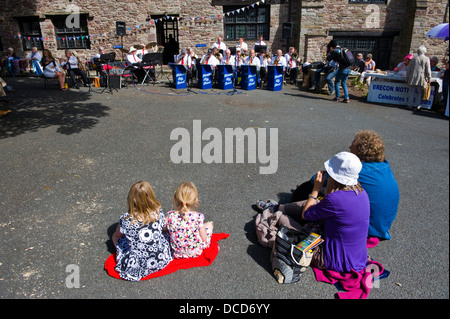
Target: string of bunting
141,26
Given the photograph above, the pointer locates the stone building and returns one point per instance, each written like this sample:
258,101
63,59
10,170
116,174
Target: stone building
389,29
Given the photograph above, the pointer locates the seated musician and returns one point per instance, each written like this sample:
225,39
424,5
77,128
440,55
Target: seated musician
185,59
133,60
265,60
209,59
101,50
141,52
252,59
242,45
194,60
229,59
70,63
279,60
292,61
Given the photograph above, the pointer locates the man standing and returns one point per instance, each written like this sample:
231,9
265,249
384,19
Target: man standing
418,75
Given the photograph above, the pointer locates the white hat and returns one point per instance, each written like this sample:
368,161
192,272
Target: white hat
344,168
132,48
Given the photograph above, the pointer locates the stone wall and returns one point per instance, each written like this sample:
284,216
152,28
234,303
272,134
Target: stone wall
408,19
314,22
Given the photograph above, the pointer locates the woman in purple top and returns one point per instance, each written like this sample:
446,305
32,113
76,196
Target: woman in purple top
346,212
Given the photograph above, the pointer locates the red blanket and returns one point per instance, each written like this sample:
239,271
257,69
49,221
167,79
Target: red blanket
205,259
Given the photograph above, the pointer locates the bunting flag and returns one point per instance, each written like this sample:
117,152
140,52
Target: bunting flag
138,27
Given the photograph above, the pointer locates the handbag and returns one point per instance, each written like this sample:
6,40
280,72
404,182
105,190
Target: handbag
427,92
289,263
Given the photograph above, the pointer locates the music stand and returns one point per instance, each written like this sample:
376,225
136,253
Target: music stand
106,59
236,59
258,48
149,62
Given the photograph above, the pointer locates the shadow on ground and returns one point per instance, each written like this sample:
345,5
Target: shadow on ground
33,108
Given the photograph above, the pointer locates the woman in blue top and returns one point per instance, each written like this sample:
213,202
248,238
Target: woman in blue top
378,181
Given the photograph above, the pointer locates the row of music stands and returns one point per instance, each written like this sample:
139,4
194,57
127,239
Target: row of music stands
225,77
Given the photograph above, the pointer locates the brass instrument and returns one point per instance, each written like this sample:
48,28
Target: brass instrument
217,55
294,56
80,65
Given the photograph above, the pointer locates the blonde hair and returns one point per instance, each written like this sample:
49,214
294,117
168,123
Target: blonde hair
185,198
333,186
142,204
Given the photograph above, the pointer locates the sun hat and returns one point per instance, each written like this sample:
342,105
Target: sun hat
344,168
409,56
132,48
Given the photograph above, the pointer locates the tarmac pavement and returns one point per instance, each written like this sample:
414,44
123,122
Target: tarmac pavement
69,158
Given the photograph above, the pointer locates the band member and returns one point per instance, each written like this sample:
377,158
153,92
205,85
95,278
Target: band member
265,60
194,61
101,50
70,63
229,59
220,45
209,58
242,45
252,59
135,61
141,52
292,61
185,59
260,41
217,54
279,60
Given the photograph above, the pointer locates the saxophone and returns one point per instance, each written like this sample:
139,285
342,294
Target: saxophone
80,65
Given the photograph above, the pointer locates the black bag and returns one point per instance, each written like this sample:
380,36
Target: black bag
347,58
288,262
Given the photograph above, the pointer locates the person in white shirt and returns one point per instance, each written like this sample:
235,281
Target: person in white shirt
141,52
135,61
292,65
185,59
279,60
242,45
70,63
209,59
260,41
33,58
265,60
220,45
252,59
101,50
229,59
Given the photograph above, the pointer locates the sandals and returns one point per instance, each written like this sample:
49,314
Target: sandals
262,205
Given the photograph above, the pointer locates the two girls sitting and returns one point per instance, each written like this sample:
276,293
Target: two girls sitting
146,241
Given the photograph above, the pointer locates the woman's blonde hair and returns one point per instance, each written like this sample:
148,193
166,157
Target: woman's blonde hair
185,198
370,146
142,204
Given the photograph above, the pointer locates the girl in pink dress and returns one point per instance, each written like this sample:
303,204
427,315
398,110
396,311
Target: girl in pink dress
189,234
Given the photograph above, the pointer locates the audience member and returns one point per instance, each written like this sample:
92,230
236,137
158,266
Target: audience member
402,66
342,73
51,69
418,75
369,66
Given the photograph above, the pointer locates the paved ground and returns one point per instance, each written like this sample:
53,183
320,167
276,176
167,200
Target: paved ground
69,158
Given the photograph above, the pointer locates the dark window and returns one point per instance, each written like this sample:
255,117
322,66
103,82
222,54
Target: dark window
30,30
248,23
368,1
379,47
69,36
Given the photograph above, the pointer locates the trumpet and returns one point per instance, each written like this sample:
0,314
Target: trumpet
217,55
